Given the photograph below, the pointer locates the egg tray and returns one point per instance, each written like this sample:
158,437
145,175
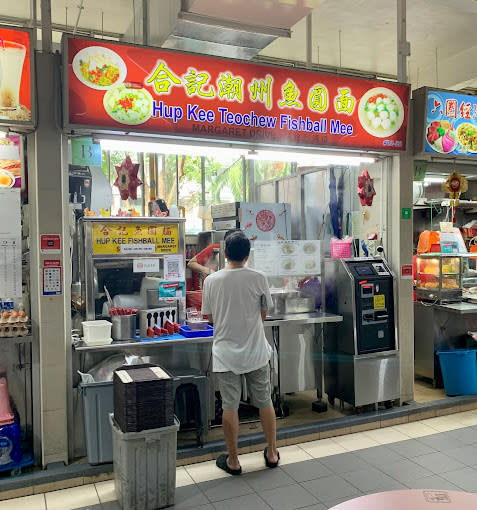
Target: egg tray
13,329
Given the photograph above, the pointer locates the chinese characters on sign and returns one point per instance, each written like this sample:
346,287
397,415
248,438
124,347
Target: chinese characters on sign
117,239
451,123
170,92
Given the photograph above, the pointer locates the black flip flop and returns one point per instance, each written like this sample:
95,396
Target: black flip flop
267,462
221,463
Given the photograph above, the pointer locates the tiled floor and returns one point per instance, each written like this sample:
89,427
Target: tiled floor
438,453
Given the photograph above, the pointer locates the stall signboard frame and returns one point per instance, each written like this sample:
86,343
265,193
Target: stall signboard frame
129,239
445,124
17,86
116,87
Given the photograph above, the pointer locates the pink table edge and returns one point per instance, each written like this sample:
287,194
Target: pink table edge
412,499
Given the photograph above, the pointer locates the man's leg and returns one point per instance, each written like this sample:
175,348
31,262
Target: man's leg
269,425
230,424
258,383
230,386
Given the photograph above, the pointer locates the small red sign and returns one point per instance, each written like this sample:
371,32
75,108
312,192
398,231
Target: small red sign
50,243
406,271
52,263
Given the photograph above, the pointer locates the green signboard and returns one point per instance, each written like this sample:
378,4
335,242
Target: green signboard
85,153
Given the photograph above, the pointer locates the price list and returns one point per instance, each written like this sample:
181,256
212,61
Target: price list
10,244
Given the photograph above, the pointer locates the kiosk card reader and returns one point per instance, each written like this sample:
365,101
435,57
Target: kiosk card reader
361,353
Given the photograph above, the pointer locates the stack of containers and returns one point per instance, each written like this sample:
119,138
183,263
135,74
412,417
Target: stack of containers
144,437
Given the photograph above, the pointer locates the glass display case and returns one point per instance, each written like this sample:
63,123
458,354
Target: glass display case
134,263
439,277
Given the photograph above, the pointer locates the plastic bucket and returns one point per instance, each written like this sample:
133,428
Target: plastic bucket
459,371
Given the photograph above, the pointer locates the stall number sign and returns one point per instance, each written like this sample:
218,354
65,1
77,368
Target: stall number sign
134,238
379,302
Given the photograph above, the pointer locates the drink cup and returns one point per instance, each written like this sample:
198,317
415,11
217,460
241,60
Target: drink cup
12,56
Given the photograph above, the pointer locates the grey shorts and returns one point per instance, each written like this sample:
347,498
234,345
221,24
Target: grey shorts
258,388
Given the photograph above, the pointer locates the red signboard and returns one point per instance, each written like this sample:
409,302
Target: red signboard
15,76
50,243
152,90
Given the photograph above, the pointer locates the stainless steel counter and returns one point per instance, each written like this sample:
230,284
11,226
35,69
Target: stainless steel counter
303,318
459,308
297,341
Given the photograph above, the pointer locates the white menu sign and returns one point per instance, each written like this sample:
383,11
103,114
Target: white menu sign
299,258
10,244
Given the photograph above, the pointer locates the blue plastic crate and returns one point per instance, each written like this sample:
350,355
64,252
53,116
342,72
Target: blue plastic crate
196,333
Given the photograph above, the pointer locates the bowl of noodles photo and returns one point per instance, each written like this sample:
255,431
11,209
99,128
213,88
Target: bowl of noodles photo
128,105
467,136
99,68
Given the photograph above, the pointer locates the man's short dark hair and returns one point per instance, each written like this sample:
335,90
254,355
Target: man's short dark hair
237,246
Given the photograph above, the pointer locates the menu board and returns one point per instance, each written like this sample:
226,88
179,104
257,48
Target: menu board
15,76
450,122
283,258
131,88
10,162
10,244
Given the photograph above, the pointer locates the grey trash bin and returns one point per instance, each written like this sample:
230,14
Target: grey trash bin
98,403
145,466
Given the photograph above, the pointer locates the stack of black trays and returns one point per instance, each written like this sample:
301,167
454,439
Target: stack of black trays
143,397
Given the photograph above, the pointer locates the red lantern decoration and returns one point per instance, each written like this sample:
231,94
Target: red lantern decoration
366,189
127,180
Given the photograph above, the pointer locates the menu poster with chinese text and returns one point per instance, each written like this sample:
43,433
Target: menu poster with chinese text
287,258
131,238
10,162
451,123
10,244
15,76
122,87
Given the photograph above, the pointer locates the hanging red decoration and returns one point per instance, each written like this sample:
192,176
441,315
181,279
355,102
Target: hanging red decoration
366,189
127,180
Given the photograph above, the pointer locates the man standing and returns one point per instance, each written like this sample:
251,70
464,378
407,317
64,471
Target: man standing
236,299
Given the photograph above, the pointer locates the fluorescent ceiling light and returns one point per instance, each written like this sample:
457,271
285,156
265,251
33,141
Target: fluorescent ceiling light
308,159
163,148
303,159
432,180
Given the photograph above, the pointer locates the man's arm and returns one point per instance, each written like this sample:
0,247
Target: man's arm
198,268
210,319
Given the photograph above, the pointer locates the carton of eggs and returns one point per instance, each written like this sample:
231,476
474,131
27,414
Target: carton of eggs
13,323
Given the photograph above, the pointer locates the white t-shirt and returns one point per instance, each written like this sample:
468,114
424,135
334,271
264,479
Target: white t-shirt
234,299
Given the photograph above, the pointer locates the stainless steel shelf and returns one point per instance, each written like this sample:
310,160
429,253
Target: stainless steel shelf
303,318
117,345
17,339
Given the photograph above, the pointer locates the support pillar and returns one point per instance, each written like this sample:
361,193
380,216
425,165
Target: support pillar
50,314
402,229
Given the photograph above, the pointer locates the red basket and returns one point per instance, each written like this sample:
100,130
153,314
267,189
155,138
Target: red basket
340,248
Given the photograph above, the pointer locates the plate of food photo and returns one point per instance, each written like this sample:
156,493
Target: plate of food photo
467,136
441,136
128,105
381,112
7,180
99,68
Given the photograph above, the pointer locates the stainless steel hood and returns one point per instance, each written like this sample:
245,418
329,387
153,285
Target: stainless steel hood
226,28
212,36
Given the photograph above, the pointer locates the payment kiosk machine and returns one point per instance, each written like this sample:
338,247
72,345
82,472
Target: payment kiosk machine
361,353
